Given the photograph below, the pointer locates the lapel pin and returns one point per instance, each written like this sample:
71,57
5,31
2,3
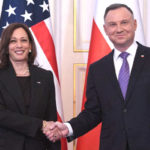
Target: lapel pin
38,82
142,56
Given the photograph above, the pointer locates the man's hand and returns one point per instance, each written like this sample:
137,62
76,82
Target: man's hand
55,130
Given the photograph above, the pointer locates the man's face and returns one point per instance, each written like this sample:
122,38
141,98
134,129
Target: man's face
120,27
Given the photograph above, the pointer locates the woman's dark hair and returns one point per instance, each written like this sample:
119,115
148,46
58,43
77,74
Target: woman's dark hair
116,6
5,40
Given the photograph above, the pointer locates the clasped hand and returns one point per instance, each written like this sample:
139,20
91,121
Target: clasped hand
55,130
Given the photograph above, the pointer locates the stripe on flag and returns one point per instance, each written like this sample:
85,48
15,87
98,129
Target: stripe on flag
48,48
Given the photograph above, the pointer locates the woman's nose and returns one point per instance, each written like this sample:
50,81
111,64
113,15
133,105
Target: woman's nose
19,44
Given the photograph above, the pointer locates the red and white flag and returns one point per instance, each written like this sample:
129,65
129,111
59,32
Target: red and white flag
99,47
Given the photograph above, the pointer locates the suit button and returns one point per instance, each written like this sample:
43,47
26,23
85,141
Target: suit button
124,110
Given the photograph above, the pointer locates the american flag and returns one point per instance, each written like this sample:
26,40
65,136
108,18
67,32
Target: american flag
36,15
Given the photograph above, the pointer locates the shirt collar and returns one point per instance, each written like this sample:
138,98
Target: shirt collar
131,50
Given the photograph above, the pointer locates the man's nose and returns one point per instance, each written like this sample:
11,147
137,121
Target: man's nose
119,28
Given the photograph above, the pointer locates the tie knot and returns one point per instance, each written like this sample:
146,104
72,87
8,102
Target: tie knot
124,55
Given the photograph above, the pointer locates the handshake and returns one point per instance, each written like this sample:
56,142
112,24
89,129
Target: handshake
54,130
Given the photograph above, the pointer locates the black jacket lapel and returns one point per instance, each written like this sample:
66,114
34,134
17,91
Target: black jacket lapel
9,80
36,83
136,70
112,76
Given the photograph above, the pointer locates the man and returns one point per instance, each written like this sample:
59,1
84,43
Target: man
118,88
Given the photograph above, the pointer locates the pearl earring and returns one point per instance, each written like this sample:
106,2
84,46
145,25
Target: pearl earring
29,50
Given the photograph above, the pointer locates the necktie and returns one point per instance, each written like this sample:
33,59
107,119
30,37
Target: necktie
124,73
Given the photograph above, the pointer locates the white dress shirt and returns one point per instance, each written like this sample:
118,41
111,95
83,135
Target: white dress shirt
118,60
117,63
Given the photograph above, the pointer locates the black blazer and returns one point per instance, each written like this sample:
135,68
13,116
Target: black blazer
18,130
122,120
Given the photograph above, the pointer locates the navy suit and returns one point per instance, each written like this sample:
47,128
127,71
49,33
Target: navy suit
123,121
20,130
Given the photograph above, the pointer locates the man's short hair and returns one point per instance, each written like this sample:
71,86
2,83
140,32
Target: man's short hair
116,6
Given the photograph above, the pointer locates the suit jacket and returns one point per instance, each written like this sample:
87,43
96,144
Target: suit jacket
18,130
123,121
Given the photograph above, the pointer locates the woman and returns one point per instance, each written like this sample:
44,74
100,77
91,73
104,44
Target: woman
27,94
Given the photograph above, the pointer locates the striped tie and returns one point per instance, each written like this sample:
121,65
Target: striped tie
124,73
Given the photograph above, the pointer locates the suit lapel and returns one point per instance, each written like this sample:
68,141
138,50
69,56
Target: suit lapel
136,70
112,76
8,78
36,84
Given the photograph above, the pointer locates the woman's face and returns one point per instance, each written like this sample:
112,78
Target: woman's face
19,46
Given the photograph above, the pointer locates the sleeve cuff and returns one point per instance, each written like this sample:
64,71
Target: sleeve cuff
69,128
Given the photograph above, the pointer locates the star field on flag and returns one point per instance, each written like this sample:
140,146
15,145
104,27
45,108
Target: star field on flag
24,11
